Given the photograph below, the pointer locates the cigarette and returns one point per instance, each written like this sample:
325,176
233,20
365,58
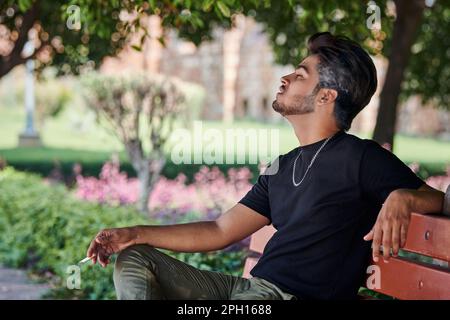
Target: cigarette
85,260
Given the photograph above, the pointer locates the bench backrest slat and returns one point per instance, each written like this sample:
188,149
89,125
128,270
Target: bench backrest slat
260,238
249,264
430,236
409,280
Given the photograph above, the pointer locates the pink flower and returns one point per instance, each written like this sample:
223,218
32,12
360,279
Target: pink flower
210,194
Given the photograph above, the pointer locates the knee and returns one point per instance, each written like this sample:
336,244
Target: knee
133,256
133,260
132,271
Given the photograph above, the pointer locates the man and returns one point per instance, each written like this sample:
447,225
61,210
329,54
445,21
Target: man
329,200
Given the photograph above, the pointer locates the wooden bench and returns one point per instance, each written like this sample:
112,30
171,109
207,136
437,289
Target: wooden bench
404,277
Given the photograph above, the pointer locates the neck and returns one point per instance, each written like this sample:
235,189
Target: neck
309,130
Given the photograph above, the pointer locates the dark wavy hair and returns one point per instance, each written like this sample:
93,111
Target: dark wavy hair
347,68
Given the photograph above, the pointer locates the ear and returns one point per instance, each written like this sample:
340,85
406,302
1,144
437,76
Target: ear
326,96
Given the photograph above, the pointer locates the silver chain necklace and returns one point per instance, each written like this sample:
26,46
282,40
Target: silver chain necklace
310,164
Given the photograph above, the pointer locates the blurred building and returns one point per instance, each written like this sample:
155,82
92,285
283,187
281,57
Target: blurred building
238,72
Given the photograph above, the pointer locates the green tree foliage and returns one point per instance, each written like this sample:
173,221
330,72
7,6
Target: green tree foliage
55,43
429,69
75,33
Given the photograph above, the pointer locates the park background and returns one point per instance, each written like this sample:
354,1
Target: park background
84,163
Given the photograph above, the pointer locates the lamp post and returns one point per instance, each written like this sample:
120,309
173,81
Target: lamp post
29,137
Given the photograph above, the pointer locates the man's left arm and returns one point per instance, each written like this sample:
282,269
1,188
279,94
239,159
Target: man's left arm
426,200
391,227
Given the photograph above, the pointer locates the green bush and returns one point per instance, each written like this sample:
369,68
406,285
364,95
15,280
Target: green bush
45,229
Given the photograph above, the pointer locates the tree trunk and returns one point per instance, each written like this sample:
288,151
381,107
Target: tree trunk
148,178
136,156
144,190
231,59
148,170
406,26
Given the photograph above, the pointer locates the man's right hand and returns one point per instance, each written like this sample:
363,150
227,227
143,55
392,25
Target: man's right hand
109,241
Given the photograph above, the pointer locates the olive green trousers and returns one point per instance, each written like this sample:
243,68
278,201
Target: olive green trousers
142,272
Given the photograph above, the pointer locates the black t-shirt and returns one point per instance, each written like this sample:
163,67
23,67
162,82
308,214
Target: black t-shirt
318,251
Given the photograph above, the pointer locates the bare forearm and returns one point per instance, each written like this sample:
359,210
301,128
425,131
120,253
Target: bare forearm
426,201
189,237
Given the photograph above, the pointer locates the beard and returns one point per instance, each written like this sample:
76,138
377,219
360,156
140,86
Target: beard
300,105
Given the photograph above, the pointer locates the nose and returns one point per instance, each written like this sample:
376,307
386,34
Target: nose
284,81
